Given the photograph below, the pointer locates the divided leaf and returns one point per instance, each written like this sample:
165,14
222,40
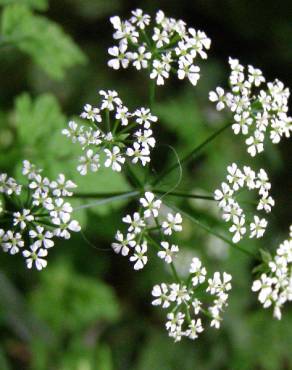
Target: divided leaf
43,40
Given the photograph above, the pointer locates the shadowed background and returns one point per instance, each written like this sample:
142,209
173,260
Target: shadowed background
89,310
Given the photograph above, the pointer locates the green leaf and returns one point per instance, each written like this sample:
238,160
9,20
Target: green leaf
73,302
37,120
35,4
43,40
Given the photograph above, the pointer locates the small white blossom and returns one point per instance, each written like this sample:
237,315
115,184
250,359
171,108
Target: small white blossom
138,258
35,256
238,228
161,295
90,113
168,252
136,223
114,159
258,227
22,218
123,244
173,223
150,204
121,58
198,271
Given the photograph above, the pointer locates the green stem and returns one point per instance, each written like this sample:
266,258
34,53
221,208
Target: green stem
98,195
107,118
134,177
215,233
108,200
183,195
148,42
172,267
152,86
174,272
190,154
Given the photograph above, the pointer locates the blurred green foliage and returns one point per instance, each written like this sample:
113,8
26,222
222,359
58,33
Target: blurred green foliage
43,40
88,310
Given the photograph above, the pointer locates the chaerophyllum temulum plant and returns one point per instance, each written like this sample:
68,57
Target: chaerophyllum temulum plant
111,135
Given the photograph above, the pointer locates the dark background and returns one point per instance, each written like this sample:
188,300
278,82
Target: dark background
89,309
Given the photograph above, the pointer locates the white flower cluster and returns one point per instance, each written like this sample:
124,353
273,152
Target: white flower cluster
39,213
185,308
136,239
112,134
238,179
169,46
256,112
275,286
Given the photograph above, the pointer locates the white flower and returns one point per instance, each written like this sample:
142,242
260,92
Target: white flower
121,56
139,259
62,187
144,117
72,132
255,76
258,227
187,69
123,115
90,113
266,203
141,58
22,218
145,138
255,143
140,18
110,99
231,210
197,305
195,327
160,72
136,223
64,225
216,319
160,292
35,256
264,286
151,204
169,252
224,196
179,293
43,237
114,159
175,321
249,177
122,245
242,123
40,184
173,223
29,169
12,242
57,206
138,152
235,177
124,30
198,271
218,96
238,228
262,182
218,285
160,37
8,185
88,162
